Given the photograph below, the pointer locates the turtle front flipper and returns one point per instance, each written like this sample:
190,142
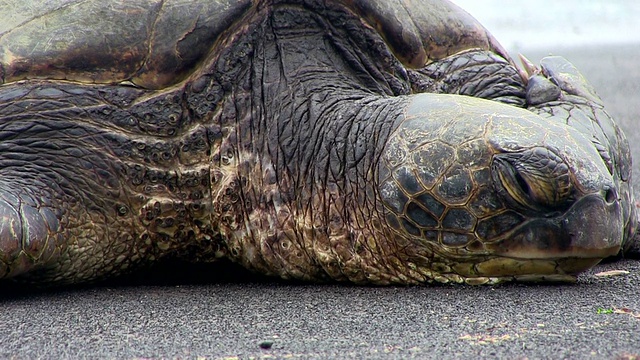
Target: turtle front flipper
557,90
88,180
49,183
30,232
62,213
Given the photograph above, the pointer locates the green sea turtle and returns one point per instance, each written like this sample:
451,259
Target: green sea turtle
371,141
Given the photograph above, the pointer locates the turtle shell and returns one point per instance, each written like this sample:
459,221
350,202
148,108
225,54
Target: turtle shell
156,43
152,43
421,31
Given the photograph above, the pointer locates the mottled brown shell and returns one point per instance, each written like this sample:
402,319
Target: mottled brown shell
156,43
152,43
421,31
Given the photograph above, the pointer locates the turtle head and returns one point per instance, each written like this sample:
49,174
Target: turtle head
485,192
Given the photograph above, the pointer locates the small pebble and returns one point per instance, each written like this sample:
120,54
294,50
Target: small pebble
265,344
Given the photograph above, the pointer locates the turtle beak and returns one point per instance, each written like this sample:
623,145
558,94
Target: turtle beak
592,229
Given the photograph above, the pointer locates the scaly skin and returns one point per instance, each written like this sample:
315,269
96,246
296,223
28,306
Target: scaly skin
559,92
300,148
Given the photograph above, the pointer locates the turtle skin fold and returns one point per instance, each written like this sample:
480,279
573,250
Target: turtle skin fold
301,139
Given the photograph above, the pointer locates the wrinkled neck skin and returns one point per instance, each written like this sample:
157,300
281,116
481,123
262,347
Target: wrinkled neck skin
304,125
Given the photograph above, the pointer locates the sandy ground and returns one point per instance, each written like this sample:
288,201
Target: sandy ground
599,317
595,318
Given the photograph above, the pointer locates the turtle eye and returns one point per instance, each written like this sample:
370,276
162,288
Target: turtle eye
513,183
536,178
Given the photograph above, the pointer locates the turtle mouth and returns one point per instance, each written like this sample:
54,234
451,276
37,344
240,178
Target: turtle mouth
552,249
589,231
502,269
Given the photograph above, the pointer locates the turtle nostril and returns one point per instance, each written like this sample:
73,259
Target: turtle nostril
610,195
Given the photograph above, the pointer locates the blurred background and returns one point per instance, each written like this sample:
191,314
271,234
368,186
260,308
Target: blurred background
551,24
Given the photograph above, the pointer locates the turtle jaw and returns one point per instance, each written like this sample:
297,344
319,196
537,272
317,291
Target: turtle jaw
547,249
502,269
589,231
